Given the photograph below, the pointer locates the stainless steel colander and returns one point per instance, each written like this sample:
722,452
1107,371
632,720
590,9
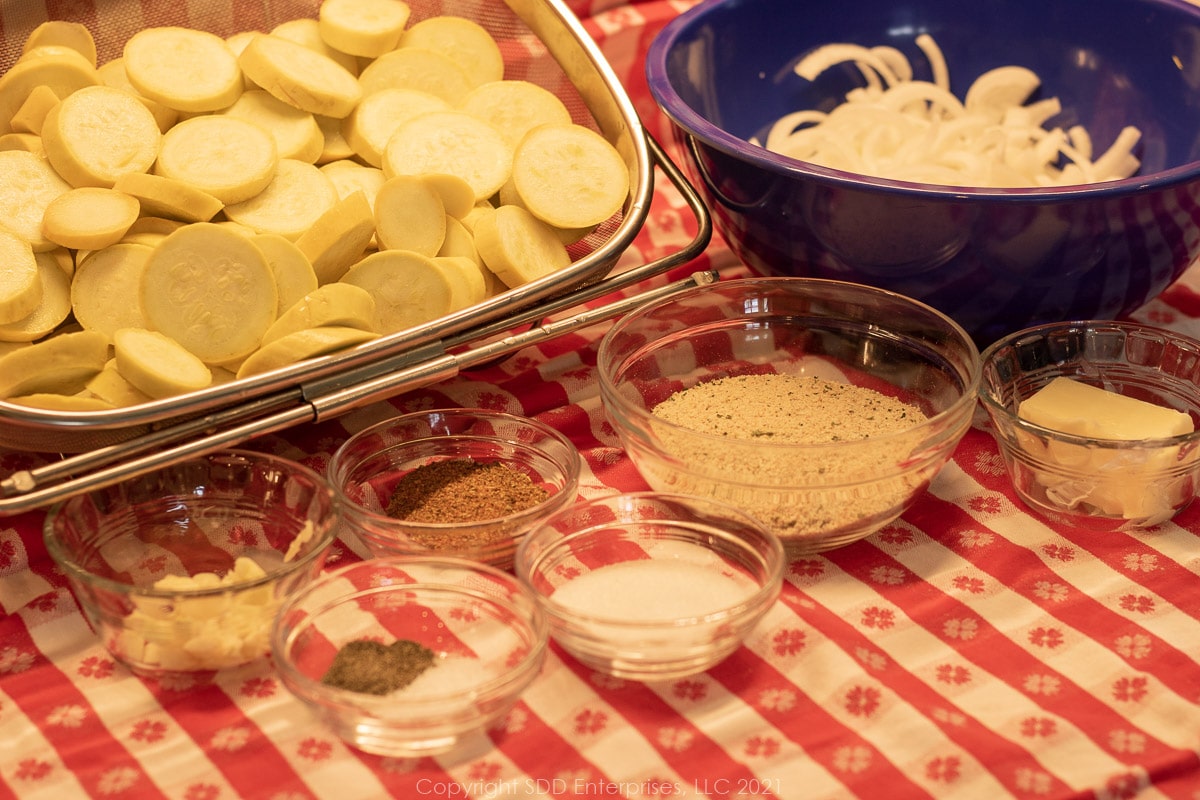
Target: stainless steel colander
543,42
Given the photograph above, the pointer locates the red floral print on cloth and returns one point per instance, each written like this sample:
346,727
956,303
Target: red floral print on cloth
16,659
878,618
807,568
202,791
690,690
1059,552
897,535
148,730
1130,690
243,535
153,565
33,769
986,504
674,739
590,721
1046,637
852,758
946,769
72,715
762,746
1038,727
954,674
862,701
96,667
1137,603
484,771
889,576
788,642
8,555
1132,646
314,749
967,583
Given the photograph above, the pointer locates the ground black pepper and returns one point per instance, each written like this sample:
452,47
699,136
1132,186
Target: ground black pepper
463,490
370,667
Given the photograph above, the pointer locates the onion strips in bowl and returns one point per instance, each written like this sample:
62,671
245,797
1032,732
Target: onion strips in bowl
901,128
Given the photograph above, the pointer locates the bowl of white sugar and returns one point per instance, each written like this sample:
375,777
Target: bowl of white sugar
650,586
822,408
1096,420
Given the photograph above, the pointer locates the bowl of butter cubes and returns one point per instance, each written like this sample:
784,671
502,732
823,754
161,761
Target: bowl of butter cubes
180,572
1096,420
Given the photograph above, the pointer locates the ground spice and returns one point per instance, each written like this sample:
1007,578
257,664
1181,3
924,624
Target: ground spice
801,493
463,490
371,667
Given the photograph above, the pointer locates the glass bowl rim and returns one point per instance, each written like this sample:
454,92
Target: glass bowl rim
1000,410
323,538
775,563
572,471
964,404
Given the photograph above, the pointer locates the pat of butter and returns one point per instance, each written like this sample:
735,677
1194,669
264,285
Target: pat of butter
1071,406
1117,482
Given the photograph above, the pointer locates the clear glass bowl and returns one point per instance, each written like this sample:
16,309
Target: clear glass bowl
484,628
160,563
813,496
1089,482
649,586
367,468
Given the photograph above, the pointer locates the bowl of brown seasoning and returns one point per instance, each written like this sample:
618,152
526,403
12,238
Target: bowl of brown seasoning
820,407
410,656
463,482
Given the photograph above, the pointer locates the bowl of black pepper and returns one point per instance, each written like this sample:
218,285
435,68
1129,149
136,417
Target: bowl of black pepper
822,408
461,482
409,656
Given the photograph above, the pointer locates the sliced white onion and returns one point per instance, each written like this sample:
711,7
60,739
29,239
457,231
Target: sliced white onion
905,129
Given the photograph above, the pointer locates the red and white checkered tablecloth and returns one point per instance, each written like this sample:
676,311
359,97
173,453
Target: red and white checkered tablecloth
969,650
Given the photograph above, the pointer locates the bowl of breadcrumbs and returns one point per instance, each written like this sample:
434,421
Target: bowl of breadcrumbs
822,408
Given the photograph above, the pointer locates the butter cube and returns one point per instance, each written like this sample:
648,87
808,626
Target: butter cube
1111,481
1071,406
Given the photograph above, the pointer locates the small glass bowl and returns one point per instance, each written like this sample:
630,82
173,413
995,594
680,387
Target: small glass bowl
649,586
192,530
1103,484
485,631
813,496
366,470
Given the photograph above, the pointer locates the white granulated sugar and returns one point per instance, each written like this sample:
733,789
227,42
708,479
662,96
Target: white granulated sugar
652,590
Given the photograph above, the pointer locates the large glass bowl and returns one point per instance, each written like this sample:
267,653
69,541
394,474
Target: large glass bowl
813,496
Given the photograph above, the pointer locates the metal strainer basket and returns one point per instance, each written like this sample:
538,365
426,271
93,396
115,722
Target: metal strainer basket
543,42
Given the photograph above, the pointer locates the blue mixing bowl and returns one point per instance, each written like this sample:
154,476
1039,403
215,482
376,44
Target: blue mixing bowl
996,260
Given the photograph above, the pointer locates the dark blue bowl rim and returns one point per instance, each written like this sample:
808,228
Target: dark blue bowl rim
698,128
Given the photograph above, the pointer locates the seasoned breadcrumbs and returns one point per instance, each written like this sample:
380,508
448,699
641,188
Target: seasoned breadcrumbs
788,408
853,474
